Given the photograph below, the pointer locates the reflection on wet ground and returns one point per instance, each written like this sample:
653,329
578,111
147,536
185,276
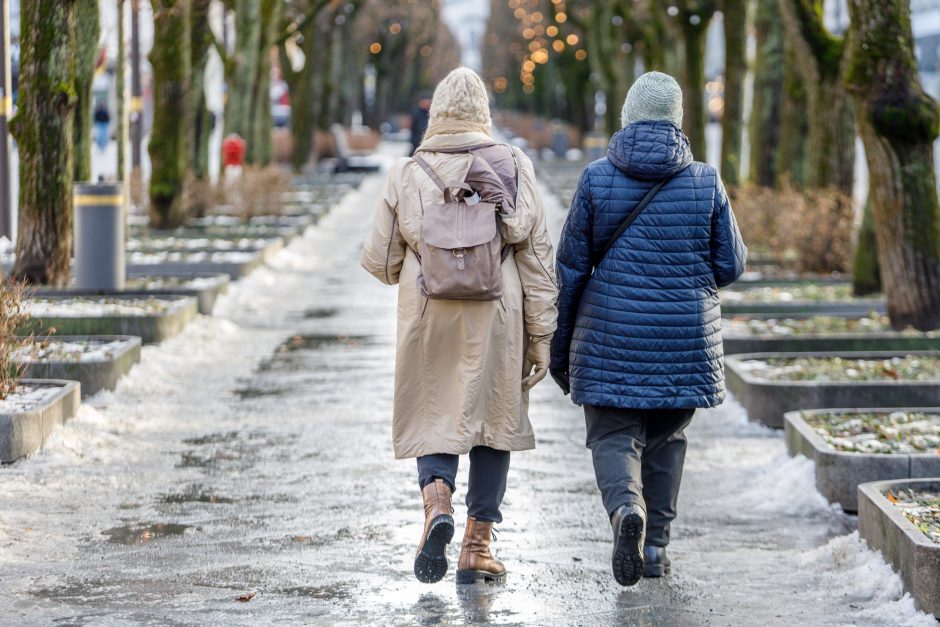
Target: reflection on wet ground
165,502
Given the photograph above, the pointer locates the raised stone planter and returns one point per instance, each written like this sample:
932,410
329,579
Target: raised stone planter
205,288
24,431
97,372
236,264
150,327
839,473
909,551
860,306
868,341
767,401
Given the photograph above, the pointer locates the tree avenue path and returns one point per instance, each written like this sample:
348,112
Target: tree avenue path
251,455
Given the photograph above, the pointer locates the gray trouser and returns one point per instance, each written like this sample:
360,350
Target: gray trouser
638,456
489,469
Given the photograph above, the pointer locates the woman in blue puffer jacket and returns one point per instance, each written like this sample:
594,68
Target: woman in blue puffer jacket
638,342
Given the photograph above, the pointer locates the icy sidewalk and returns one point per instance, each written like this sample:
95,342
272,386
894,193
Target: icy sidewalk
251,455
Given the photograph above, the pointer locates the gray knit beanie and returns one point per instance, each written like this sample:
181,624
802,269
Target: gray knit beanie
653,96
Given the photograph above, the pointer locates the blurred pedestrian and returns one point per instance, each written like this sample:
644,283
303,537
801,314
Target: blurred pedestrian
639,321
419,121
102,121
465,357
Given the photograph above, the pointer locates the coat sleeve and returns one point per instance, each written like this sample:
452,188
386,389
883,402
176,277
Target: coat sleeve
536,269
729,254
574,270
384,250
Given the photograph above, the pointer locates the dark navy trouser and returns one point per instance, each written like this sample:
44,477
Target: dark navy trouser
488,471
638,457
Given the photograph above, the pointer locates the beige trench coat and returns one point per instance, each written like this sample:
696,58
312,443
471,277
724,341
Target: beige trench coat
459,364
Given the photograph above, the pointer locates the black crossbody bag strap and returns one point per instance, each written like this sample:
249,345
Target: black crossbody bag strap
633,216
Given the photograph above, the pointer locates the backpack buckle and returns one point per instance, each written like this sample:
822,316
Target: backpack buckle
459,253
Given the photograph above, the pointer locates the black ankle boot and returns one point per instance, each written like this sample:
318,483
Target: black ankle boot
629,526
655,561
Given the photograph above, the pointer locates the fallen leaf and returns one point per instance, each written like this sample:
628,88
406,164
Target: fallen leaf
244,598
890,497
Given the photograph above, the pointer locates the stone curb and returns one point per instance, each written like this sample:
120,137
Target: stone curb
902,545
205,296
842,342
24,433
93,376
150,329
767,401
839,473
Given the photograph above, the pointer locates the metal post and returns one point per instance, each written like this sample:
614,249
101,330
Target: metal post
137,104
6,109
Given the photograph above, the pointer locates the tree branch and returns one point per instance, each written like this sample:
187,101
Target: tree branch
301,22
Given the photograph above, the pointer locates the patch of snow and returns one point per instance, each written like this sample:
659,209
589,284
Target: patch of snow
156,258
846,568
87,351
98,307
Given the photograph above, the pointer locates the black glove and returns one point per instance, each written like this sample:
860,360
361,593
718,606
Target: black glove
561,378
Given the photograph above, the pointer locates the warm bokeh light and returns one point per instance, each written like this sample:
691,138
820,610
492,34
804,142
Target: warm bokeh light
395,28
375,48
558,45
551,31
572,39
580,55
426,50
500,84
561,17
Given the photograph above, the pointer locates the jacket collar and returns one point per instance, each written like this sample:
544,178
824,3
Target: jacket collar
650,150
455,140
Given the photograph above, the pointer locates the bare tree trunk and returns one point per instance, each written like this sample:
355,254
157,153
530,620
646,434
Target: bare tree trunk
765,120
792,143
43,129
831,132
169,139
244,68
899,124
86,53
692,20
198,162
734,13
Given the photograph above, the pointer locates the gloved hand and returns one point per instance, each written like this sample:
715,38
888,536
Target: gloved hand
561,378
536,355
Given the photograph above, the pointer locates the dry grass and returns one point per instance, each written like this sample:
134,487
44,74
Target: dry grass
258,191
13,320
811,230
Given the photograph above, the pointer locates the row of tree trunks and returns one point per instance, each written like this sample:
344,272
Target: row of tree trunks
44,132
769,63
898,123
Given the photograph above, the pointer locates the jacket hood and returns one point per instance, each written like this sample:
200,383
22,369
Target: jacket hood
650,150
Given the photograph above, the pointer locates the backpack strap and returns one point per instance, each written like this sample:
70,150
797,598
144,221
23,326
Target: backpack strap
434,177
633,215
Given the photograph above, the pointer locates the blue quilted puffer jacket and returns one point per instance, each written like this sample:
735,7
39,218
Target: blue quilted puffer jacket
642,330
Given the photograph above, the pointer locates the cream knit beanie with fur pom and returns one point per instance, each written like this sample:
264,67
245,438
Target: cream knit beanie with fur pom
460,104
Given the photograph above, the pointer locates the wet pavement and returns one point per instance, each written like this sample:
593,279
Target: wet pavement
250,458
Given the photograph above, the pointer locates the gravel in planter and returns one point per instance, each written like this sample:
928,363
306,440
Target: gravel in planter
32,412
839,369
884,433
852,447
892,518
97,363
788,293
84,306
771,384
921,507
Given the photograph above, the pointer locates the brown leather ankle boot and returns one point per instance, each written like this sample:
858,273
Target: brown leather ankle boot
431,558
476,563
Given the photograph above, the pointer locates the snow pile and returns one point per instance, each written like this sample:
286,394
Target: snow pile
85,351
27,397
99,307
845,568
785,486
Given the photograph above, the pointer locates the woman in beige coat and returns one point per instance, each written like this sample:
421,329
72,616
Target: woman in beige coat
463,368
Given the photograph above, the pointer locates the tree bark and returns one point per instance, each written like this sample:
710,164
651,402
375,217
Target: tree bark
169,138
794,125
243,69
734,13
260,150
43,129
865,271
831,131
120,85
198,160
899,124
86,54
769,64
